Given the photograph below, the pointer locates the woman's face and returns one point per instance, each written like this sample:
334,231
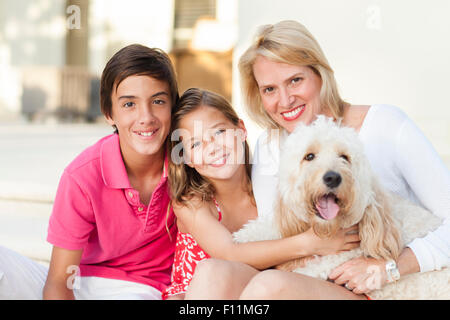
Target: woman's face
212,144
290,94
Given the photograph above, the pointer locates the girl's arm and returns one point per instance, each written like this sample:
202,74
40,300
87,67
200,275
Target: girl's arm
217,241
63,266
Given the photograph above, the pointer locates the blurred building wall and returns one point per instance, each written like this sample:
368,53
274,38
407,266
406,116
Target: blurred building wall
204,38
204,69
52,52
114,24
31,33
382,51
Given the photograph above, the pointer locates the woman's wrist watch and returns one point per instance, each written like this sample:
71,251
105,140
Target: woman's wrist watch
392,271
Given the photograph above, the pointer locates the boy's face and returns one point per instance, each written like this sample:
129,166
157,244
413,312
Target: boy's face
141,111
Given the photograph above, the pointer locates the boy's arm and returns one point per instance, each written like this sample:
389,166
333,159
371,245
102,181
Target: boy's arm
61,274
70,225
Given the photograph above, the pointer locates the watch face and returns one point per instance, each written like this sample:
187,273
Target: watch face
392,271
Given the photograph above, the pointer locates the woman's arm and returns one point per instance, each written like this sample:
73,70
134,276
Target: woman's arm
429,179
63,265
217,241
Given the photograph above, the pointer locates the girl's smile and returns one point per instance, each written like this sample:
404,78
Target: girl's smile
220,161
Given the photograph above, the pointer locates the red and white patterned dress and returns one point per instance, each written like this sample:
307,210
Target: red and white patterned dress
187,255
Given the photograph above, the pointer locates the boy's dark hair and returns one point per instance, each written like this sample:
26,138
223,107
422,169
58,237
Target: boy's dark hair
136,59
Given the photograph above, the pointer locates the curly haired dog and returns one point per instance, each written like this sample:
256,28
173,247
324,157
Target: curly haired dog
325,182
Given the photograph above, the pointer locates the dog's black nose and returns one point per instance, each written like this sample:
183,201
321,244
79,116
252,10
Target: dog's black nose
332,179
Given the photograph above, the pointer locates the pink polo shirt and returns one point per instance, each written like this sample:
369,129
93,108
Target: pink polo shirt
98,211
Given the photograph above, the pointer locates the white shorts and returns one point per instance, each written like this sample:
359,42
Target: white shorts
23,279
96,288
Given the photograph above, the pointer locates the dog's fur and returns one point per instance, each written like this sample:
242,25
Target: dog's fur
385,221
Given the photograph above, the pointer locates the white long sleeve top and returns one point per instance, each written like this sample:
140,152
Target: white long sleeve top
404,161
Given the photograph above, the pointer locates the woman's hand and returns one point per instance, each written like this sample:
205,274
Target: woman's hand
343,240
360,275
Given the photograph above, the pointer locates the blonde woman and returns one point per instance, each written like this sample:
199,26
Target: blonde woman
286,79
212,196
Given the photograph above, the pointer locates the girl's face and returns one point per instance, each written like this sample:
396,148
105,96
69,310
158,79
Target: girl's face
290,94
212,144
141,111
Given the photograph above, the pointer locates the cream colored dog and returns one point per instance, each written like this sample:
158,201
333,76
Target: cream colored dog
325,182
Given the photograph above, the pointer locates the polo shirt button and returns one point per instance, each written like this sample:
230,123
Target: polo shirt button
130,194
140,209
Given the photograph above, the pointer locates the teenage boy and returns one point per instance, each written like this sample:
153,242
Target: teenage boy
111,219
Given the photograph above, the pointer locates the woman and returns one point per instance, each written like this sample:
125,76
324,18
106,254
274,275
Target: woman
286,79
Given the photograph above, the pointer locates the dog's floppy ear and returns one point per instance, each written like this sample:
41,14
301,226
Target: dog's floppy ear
379,234
287,222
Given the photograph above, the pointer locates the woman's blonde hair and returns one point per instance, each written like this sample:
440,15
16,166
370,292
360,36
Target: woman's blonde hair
286,42
185,182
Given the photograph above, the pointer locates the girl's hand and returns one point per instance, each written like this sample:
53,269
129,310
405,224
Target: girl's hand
360,275
342,241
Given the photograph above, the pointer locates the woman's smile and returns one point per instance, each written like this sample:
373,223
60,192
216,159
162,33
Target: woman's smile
294,113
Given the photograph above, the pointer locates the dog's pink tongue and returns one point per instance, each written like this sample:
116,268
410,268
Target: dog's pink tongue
327,207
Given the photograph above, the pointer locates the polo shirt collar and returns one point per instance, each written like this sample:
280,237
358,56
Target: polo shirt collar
113,168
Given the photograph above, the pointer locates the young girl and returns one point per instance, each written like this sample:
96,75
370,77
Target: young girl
209,177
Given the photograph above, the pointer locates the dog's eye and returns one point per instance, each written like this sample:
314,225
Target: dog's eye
310,157
345,157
